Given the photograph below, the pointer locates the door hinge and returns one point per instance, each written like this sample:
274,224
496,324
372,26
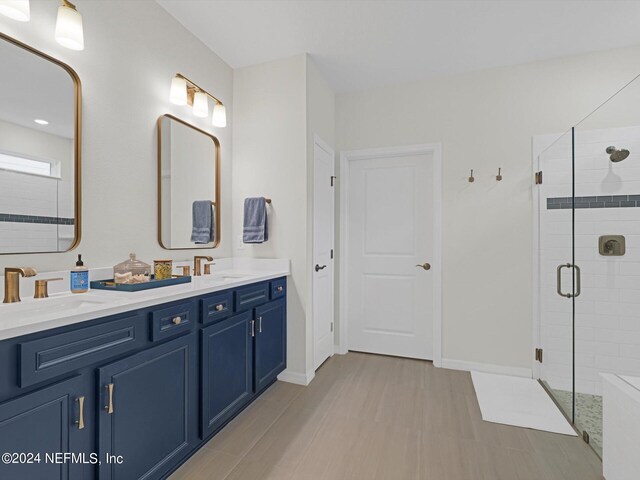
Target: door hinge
332,253
333,177
539,178
585,436
332,326
539,355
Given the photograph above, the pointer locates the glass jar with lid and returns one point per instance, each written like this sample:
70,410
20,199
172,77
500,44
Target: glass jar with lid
132,271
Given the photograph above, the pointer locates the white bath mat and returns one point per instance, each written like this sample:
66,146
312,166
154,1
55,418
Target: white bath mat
518,401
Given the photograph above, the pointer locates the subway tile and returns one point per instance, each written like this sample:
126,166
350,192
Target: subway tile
597,204
620,198
627,204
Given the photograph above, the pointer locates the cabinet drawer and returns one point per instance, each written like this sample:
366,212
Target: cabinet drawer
251,296
56,355
278,288
172,321
217,307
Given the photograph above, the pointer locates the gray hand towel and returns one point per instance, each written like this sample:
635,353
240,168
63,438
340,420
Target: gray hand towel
255,220
203,230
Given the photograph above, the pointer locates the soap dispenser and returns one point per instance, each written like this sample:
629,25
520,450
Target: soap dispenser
80,277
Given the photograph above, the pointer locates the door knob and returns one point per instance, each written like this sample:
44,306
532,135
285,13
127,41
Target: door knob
318,267
425,265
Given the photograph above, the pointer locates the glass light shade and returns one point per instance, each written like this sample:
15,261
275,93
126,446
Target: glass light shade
178,94
200,105
69,31
15,9
219,116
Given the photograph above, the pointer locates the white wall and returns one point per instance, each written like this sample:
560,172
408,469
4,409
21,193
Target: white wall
270,160
485,120
132,50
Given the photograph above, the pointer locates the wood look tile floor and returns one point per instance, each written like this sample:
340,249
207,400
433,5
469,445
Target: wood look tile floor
383,418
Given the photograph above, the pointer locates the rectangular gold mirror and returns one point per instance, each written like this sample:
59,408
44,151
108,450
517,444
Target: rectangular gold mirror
40,130
188,186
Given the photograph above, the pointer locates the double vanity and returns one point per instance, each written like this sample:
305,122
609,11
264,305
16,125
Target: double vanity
116,385
112,384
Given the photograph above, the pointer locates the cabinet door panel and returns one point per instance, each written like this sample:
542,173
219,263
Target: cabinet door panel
270,342
154,419
43,422
227,358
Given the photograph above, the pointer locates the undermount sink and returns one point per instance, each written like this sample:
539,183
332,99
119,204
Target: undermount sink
54,304
226,277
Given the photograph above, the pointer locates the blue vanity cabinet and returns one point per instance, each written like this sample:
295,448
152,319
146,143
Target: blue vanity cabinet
149,386
149,405
227,370
45,422
270,350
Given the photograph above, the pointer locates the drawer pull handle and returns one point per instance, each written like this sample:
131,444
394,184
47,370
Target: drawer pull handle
259,324
219,307
109,406
253,328
280,288
176,320
80,421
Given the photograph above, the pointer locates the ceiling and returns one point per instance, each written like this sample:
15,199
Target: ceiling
361,44
34,88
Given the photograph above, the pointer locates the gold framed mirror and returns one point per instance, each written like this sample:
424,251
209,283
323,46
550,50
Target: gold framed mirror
188,176
40,151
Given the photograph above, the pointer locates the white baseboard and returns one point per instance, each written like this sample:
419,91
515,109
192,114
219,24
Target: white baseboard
337,349
296,377
486,368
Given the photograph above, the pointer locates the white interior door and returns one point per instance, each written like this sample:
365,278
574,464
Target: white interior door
390,231
323,234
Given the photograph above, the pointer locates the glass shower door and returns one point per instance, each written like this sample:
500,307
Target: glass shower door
607,248
556,281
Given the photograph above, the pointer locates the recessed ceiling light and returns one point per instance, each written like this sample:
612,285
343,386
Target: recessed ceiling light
39,121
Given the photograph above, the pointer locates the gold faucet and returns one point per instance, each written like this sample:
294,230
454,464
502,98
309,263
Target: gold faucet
12,282
197,265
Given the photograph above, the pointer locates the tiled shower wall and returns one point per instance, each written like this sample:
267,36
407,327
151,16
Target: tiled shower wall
32,201
607,323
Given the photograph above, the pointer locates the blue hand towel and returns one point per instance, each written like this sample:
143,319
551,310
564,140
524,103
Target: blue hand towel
255,220
203,230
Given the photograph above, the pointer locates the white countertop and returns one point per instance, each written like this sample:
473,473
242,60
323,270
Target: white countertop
65,308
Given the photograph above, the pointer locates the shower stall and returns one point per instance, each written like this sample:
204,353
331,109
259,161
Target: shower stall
587,266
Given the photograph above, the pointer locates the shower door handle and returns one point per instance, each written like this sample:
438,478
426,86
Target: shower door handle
577,277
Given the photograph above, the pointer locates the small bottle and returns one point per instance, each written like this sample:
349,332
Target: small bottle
80,277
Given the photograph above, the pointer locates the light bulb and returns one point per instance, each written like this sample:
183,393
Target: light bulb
69,31
200,105
15,9
178,93
219,116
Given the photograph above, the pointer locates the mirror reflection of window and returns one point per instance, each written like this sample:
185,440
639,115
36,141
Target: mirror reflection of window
38,103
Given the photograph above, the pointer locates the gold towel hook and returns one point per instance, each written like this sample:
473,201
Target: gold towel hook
499,176
472,178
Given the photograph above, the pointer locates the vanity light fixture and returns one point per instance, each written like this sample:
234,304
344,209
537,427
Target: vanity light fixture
200,104
185,92
69,31
178,93
219,116
40,121
15,9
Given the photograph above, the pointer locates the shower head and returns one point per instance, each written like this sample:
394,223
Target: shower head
617,155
